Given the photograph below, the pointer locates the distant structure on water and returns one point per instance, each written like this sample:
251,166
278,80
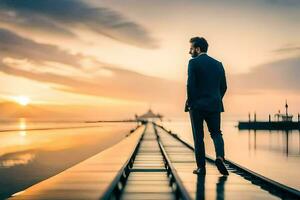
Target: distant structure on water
283,122
284,117
148,116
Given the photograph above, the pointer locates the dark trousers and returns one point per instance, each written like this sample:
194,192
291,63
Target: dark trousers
213,121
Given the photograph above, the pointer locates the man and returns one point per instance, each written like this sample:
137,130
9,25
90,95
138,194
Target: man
206,86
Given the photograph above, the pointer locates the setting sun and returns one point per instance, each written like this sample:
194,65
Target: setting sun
23,100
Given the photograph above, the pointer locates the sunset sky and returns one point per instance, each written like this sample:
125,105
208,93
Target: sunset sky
113,58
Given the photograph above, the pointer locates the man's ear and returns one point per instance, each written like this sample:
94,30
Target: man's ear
198,50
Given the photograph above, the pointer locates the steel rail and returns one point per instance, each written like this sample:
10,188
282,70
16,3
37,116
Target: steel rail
175,180
117,185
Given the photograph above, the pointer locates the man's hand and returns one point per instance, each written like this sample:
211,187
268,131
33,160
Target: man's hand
191,84
186,107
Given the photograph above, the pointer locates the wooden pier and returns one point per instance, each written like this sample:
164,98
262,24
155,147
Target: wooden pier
153,163
260,125
281,122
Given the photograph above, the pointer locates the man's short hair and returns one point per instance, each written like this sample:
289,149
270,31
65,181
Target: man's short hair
199,42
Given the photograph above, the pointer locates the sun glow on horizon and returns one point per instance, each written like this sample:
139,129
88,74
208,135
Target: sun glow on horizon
23,100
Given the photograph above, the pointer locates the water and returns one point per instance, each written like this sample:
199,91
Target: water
28,157
23,123
274,154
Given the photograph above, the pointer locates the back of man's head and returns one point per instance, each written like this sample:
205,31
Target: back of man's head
199,42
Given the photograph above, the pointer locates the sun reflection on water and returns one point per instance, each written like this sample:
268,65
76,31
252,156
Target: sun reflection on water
22,133
22,124
22,127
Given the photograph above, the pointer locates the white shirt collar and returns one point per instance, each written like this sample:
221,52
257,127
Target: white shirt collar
201,53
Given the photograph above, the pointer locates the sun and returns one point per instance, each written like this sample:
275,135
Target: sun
23,100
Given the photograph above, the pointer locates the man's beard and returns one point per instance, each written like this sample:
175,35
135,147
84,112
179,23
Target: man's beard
194,55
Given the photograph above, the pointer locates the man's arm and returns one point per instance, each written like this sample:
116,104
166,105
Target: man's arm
191,85
223,85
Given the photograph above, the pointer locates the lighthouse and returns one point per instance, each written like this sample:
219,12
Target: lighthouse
286,117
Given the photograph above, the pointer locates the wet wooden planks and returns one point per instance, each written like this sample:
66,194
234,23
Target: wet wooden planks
148,177
88,179
213,185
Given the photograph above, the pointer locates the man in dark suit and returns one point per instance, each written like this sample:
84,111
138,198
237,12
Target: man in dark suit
206,86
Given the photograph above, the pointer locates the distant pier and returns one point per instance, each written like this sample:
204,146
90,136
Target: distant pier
269,125
280,122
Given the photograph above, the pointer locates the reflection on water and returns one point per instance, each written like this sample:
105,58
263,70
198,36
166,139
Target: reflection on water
286,142
274,154
25,124
200,193
22,133
220,187
16,159
27,157
22,124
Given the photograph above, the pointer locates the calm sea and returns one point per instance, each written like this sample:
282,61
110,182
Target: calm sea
30,156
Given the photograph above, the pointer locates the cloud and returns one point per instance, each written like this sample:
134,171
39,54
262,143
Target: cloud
282,75
284,2
105,80
123,84
288,49
17,47
62,16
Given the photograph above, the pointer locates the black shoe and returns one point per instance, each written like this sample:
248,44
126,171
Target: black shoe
221,166
200,171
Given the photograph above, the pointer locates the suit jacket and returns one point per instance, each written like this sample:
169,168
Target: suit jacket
206,84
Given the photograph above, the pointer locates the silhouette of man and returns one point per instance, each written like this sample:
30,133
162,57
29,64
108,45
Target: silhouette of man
206,86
